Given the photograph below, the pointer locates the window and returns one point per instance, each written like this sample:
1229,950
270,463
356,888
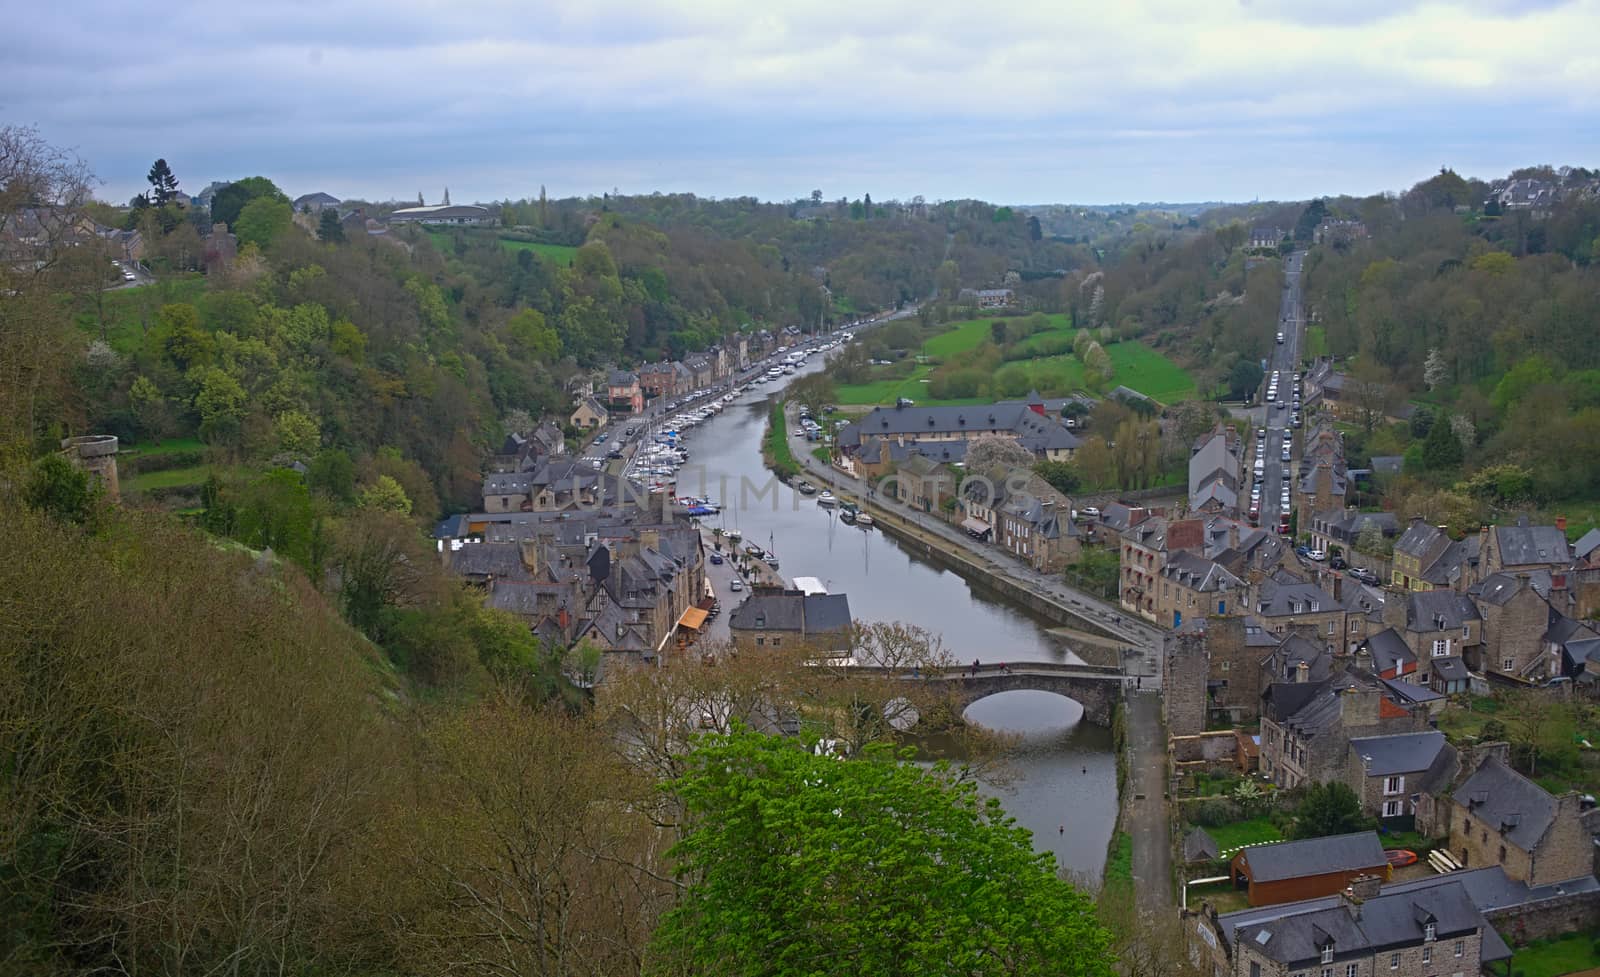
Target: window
1327,954
1507,664
1394,961
1427,952
1225,665
1351,969
1392,809
1441,647
775,642
1255,969
1427,934
1394,785
1327,972
1461,947
1466,632
1502,854
761,641
1330,627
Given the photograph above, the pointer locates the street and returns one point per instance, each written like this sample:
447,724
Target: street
1284,362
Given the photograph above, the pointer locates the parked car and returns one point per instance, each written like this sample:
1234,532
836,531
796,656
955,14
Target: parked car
736,586
1089,512
716,559
1316,556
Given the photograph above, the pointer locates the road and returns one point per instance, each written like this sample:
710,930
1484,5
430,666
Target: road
1284,362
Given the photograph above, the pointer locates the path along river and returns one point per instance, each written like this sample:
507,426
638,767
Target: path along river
1063,784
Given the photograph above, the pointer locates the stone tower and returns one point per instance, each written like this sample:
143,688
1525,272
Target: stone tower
97,455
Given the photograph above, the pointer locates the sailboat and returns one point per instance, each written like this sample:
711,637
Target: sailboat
772,557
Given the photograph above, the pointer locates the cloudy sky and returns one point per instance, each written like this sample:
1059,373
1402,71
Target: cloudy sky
1006,100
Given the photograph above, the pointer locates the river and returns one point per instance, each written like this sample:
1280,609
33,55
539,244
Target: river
1063,783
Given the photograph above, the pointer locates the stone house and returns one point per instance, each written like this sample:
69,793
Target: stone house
1389,773
1306,726
1515,619
1496,816
658,380
1362,930
1437,625
589,415
921,483
701,373
1284,604
1035,523
1216,470
508,492
1192,586
1426,558
1145,548
1342,527
778,618
1387,655
1523,548
1212,671
1045,437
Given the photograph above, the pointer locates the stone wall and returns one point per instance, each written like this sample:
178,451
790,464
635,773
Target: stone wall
1183,683
1566,913
1215,749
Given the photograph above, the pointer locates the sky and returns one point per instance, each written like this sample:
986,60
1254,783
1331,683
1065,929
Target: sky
1007,100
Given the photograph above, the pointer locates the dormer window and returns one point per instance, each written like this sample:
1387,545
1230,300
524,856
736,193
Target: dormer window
1428,932
1327,953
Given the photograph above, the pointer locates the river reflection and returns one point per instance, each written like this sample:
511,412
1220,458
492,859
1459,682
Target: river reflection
1063,783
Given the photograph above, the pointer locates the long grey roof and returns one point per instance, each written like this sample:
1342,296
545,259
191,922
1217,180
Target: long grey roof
1314,856
1586,544
1439,610
827,612
1451,669
1521,809
1400,753
1389,650
1523,545
1034,432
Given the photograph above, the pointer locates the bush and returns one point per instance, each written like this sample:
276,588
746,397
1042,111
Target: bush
166,461
1213,813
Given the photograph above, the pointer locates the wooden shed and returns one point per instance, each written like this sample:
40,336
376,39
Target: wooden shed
1293,870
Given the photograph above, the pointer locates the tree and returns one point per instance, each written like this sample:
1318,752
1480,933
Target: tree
60,489
948,280
1061,475
298,432
1372,390
1329,809
872,864
531,336
1035,232
1245,379
1434,369
385,495
163,185
333,474
1097,367
994,454
1080,343
329,230
1442,449
1530,716
813,391
997,332
262,220
1370,539
228,202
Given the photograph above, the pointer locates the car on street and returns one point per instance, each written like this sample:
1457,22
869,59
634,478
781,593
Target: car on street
1089,512
602,439
1280,339
716,559
736,586
1316,556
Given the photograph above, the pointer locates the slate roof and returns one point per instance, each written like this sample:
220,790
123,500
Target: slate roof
489,560
1275,599
1036,433
1451,669
1586,544
1314,856
943,452
1525,545
621,378
1198,846
792,611
1439,610
1214,455
1509,802
1295,933
827,612
1411,694
1400,753
1499,588
1195,572
1387,464
1389,650
508,483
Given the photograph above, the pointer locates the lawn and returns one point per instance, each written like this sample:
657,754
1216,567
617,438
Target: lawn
886,392
1119,859
169,478
559,253
1569,953
1316,342
167,447
130,311
1230,837
968,334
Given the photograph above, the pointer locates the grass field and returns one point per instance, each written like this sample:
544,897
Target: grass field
966,335
1230,837
1316,341
129,311
170,478
559,253
167,447
1567,954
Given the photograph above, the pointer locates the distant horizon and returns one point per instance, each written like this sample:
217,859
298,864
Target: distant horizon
1248,100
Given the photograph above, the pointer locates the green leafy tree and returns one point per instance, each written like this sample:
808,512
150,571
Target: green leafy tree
262,220
385,495
149,406
220,401
1245,378
298,432
228,202
333,474
329,229
57,487
532,337
1329,809
870,864
1061,475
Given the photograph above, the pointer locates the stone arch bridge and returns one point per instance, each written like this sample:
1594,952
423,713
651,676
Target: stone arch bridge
1096,687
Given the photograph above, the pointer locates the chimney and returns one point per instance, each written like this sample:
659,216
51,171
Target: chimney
1561,523
1302,672
1362,888
1359,709
1233,535
649,539
1338,586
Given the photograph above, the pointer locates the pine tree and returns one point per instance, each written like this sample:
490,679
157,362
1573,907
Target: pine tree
544,208
164,186
328,227
447,196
